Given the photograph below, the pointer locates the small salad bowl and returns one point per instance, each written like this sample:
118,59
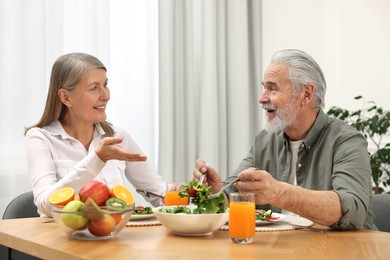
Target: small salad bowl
183,224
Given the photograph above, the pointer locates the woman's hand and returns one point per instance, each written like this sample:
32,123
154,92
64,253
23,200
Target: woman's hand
212,178
174,187
109,149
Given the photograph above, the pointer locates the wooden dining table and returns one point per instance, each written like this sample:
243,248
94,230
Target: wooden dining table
48,241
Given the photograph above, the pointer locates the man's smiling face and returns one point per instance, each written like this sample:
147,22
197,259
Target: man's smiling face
278,99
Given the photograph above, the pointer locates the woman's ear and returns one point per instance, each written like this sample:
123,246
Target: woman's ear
63,95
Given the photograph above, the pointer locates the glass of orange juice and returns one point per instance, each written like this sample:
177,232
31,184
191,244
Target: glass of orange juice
242,217
172,198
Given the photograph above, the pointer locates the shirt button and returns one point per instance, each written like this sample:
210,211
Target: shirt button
299,165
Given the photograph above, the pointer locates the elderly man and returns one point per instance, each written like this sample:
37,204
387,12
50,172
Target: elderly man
304,162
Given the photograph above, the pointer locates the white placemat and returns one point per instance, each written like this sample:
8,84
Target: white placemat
143,223
265,228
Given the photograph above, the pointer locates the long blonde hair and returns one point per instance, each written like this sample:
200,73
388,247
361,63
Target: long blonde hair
66,73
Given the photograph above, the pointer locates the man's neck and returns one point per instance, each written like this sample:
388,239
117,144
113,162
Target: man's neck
302,125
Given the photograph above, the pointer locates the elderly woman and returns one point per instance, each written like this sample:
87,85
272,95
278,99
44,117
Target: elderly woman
73,143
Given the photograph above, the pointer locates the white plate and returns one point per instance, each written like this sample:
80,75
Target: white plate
276,217
296,220
141,216
286,219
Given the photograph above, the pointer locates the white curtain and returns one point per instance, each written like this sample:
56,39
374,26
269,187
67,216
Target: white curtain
210,76
34,33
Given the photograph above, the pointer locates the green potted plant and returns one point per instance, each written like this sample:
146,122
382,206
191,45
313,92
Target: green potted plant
373,122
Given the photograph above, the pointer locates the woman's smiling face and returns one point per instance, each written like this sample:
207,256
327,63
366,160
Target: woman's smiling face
87,102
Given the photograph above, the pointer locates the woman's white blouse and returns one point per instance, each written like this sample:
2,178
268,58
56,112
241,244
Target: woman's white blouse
56,160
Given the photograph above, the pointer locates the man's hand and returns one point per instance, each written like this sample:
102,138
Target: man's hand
260,182
322,207
212,178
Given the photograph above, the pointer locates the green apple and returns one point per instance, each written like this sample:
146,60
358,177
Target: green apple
73,215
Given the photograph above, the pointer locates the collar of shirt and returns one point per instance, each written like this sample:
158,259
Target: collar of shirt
314,132
56,129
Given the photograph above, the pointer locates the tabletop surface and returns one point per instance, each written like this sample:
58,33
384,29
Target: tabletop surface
47,241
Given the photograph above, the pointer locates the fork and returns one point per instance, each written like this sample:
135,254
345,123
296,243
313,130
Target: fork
215,195
202,178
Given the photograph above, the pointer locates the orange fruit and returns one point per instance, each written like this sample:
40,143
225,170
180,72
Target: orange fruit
62,196
122,192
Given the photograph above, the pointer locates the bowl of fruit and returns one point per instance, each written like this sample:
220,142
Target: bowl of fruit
201,217
95,213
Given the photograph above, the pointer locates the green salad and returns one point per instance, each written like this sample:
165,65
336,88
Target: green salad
263,214
199,195
176,210
141,210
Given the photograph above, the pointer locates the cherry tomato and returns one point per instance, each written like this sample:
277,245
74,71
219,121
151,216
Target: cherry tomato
273,218
192,192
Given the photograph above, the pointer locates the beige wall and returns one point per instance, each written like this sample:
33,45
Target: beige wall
350,39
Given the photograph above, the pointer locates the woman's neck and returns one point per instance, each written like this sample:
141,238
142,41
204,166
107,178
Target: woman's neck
81,132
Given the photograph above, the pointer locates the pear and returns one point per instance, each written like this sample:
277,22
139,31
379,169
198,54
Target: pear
92,210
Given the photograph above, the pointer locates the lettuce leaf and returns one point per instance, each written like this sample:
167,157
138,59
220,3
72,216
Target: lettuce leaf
205,205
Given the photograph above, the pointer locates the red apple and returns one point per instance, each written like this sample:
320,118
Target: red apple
96,190
103,226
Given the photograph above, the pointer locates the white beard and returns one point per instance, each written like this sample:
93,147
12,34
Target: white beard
284,117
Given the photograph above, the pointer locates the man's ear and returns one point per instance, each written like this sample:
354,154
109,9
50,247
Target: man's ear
308,94
64,97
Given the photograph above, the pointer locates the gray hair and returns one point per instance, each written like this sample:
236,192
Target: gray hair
66,73
68,69
303,69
